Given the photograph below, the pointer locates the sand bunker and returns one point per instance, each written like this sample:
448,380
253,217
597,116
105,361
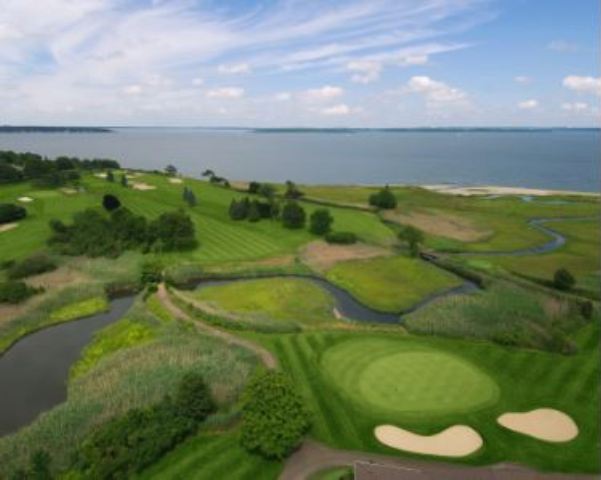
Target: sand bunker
455,441
142,186
439,223
175,180
496,190
100,175
69,191
545,424
25,199
320,255
8,226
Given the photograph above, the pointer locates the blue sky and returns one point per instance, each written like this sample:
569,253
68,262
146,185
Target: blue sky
361,63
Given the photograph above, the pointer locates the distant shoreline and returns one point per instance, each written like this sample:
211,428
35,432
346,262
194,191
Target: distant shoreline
42,129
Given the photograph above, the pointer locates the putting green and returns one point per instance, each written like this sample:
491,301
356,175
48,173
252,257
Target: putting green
394,376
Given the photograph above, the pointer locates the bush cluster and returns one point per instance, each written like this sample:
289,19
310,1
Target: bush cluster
94,234
33,265
125,446
383,199
15,291
342,238
274,416
10,212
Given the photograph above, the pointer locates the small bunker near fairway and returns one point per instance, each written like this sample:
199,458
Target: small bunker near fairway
545,424
392,376
455,441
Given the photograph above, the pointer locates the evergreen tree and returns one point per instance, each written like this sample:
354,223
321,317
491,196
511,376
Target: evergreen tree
321,221
124,180
110,177
253,212
293,215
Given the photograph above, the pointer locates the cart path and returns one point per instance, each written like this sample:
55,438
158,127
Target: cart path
267,358
312,457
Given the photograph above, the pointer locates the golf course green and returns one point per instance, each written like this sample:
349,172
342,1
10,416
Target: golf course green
390,376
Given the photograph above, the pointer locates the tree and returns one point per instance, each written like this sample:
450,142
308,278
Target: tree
292,191
254,215
189,197
293,215
9,174
239,209
110,177
172,231
10,212
383,199
413,236
563,279
253,187
124,180
321,221
208,173
110,202
193,398
171,170
274,416
267,190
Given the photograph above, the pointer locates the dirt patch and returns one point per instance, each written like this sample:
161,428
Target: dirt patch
8,226
545,424
142,186
176,180
455,441
25,199
58,278
441,224
321,256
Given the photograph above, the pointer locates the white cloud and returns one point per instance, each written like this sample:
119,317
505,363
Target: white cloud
133,90
282,96
340,109
413,60
198,81
324,93
367,71
579,84
226,92
234,69
523,79
528,104
563,46
435,92
575,106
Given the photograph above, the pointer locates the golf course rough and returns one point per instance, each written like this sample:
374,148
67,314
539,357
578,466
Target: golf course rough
394,378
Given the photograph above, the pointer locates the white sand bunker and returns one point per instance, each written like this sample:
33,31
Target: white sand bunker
69,191
175,180
8,226
100,175
545,424
142,186
455,441
25,199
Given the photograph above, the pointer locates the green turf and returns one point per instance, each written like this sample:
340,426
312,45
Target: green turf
393,377
211,456
334,473
391,284
80,309
285,299
526,380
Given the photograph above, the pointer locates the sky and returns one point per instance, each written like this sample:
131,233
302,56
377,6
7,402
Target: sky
310,63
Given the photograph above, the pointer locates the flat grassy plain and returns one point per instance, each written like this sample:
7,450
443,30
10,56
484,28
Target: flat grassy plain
391,284
526,380
291,300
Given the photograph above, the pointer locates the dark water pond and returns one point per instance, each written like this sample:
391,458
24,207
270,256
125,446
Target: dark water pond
34,372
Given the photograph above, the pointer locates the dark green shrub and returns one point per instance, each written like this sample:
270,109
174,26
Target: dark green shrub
413,236
110,202
292,191
39,466
253,187
587,309
321,221
293,215
15,291
33,265
274,416
193,398
383,199
342,238
563,279
11,213
254,215
152,271
239,209
172,231
110,176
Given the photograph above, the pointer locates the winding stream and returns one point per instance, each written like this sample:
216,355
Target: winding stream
34,372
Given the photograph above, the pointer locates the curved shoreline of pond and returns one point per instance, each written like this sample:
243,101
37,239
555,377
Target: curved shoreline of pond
34,371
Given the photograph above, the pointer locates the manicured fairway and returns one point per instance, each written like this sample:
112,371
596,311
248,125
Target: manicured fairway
287,299
211,456
391,284
390,376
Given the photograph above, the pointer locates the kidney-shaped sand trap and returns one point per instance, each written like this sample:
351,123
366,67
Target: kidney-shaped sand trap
455,441
543,423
